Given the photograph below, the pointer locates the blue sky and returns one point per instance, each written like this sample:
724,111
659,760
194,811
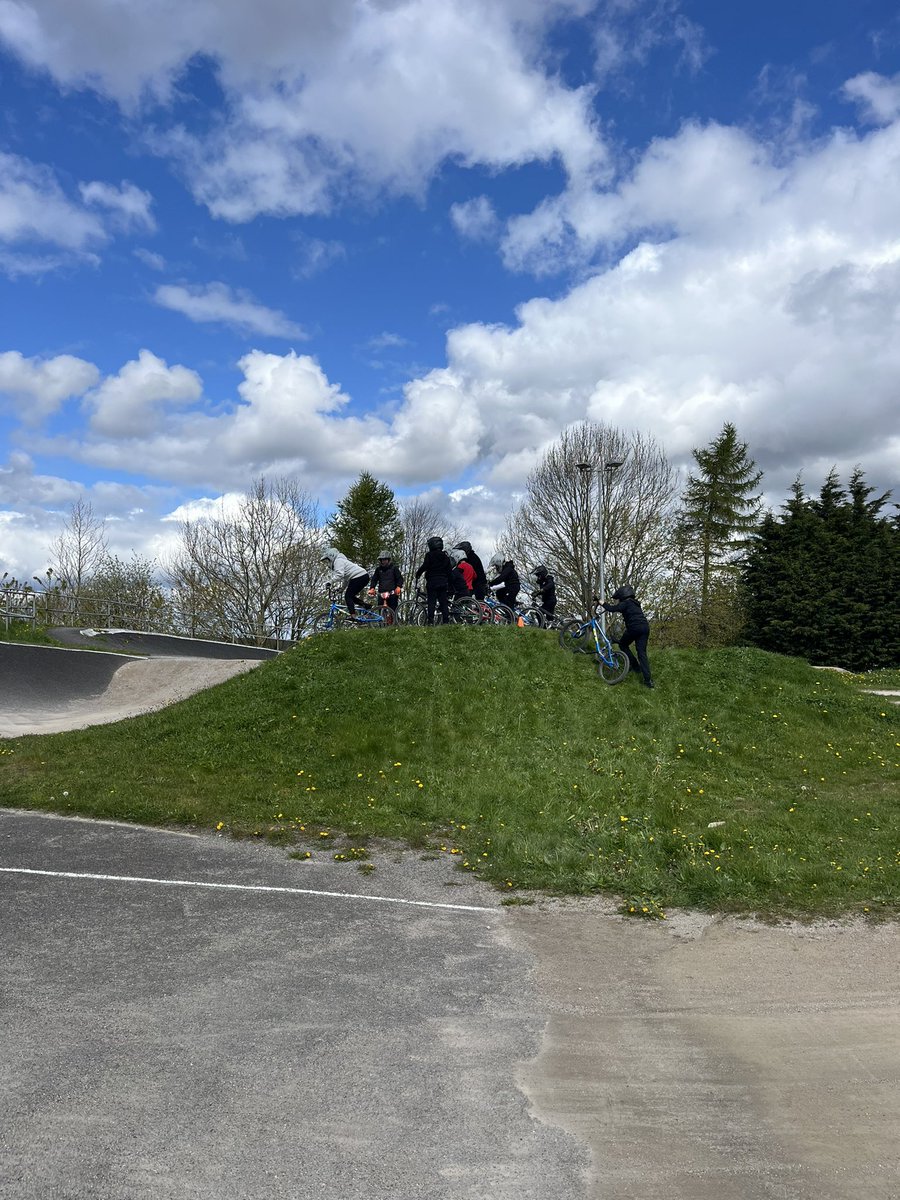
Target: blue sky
420,237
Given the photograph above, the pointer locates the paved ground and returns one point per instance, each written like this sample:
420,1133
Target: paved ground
174,1040
46,689
158,645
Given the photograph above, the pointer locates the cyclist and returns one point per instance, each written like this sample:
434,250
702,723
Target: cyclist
437,569
545,590
479,587
506,580
386,577
353,577
462,578
637,629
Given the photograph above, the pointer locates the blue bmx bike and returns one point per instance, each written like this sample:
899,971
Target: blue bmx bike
589,637
339,616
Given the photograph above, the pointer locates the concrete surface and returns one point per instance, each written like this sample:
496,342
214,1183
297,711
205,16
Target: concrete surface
47,689
180,1042
164,1041
157,645
720,1059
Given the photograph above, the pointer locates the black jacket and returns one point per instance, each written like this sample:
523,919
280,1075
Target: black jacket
436,568
476,563
509,577
633,615
385,579
546,588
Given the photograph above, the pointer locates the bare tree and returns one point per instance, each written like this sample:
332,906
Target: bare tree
557,522
420,520
80,548
254,575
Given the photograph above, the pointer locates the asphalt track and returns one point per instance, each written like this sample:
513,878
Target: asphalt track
49,689
156,645
190,1018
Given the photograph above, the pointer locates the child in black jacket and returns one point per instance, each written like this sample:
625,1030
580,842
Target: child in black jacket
637,630
387,578
437,569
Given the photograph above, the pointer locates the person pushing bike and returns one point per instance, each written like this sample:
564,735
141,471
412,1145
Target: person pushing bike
637,630
386,577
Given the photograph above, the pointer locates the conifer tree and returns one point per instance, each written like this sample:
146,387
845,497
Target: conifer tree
718,512
822,578
366,520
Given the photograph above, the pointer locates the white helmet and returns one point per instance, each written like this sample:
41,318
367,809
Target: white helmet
456,555
329,554
497,562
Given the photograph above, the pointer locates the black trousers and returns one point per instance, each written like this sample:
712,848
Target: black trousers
354,587
641,663
437,594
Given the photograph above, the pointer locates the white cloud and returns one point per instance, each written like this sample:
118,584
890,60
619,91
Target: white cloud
150,258
220,304
324,98
316,254
132,403
387,341
36,386
475,219
33,208
878,96
129,205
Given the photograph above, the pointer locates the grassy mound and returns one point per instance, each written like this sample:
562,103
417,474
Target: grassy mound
745,781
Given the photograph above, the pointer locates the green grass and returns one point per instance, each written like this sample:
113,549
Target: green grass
23,632
498,749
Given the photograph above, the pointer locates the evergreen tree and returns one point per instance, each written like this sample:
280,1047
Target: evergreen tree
718,512
822,578
366,520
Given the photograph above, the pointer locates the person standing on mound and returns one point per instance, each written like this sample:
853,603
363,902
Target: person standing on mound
353,577
437,569
637,629
479,585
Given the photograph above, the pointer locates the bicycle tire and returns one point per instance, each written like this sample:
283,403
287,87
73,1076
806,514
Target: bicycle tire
533,616
615,671
388,616
575,635
465,612
323,623
502,615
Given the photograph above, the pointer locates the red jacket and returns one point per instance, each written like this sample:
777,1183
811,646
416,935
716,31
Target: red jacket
468,573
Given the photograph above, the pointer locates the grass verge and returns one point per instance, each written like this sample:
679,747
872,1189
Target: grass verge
745,782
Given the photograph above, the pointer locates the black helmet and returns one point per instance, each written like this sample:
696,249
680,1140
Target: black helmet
540,571
467,546
625,592
435,543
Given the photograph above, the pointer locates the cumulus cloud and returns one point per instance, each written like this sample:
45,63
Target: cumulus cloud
128,205
220,304
475,219
322,99
878,96
34,208
36,387
132,403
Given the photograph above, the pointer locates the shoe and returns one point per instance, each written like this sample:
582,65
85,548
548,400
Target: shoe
649,683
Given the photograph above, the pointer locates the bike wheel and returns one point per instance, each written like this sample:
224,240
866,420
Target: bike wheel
388,616
533,616
613,671
323,623
465,612
577,636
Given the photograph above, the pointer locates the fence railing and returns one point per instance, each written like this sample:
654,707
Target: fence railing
51,609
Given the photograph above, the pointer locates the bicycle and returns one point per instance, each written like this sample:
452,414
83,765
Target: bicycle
531,613
463,611
391,616
492,612
588,637
339,616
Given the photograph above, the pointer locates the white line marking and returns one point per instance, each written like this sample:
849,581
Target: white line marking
45,816
242,887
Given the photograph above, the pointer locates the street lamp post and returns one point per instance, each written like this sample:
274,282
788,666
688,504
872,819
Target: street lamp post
603,472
